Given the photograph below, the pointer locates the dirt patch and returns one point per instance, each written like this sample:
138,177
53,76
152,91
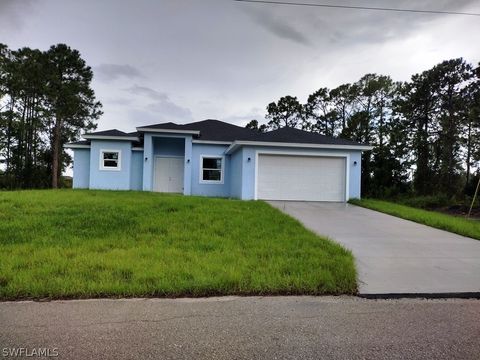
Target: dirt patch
459,210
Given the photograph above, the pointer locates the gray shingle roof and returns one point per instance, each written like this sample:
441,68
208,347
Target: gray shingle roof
112,132
215,130
291,135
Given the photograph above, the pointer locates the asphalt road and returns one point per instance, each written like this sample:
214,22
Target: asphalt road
245,328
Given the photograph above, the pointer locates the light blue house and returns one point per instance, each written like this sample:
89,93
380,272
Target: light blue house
214,158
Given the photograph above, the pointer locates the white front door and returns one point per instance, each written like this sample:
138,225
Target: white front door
168,174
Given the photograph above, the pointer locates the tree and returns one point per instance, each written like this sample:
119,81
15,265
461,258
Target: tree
45,100
253,125
320,109
71,101
287,112
450,79
343,99
471,127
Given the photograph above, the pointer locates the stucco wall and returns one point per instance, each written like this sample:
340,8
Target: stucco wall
236,165
81,168
110,179
220,190
136,170
168,145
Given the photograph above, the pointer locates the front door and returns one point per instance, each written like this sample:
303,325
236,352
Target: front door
168,174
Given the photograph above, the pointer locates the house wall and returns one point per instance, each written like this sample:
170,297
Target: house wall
219,190
236,166
81,168
136,170
248,169
166,145
110,179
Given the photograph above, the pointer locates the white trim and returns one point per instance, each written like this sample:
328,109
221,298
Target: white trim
211,142
105,137
137,149
106,168
147,129
297,153
236,144
222,170
76,146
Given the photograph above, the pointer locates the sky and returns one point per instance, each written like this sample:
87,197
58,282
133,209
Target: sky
190,60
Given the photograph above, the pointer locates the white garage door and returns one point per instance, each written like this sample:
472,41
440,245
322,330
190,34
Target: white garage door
309,178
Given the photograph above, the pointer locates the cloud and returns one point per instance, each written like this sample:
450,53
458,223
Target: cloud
110,72
162,106
277,26
13,13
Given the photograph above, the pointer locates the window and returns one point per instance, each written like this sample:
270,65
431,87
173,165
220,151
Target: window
212,169
110,159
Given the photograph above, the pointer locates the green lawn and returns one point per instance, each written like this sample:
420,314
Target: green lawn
459,225
78,244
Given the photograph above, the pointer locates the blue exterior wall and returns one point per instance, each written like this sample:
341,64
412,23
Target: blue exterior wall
137,166
136,170
219,190
147,162
355,174
248,171
81,168
108,179
236,166
167,145
187,181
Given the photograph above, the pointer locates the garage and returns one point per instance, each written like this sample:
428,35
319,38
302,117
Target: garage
305,178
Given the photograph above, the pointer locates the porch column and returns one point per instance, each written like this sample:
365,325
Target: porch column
187,179
147,163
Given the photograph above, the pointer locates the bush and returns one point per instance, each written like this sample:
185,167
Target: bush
428,202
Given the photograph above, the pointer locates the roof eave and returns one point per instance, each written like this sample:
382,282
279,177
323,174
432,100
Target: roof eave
76,146
236,144
107,137
169,131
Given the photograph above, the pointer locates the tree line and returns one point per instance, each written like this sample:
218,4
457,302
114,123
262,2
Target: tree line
46,100
425,132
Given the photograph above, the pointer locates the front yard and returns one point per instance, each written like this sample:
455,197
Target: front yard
79,244
455,224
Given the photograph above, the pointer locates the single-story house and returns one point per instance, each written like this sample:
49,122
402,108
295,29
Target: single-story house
214,158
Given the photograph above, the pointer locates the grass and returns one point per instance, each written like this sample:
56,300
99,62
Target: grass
81,244
458,225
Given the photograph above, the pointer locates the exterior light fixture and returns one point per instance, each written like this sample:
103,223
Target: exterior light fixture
249,159
354,163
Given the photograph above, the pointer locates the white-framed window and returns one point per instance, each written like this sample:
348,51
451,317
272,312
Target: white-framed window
211,169
110,160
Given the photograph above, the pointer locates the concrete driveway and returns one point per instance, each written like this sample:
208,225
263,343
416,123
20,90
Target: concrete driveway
394,256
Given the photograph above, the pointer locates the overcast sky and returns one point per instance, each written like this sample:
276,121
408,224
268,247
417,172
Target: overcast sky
188,60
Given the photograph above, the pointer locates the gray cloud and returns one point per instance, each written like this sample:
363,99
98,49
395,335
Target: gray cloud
162,106
277,26
227,60
109,72
14,12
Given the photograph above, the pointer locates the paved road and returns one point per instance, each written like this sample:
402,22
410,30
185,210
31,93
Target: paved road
246,328
394,255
